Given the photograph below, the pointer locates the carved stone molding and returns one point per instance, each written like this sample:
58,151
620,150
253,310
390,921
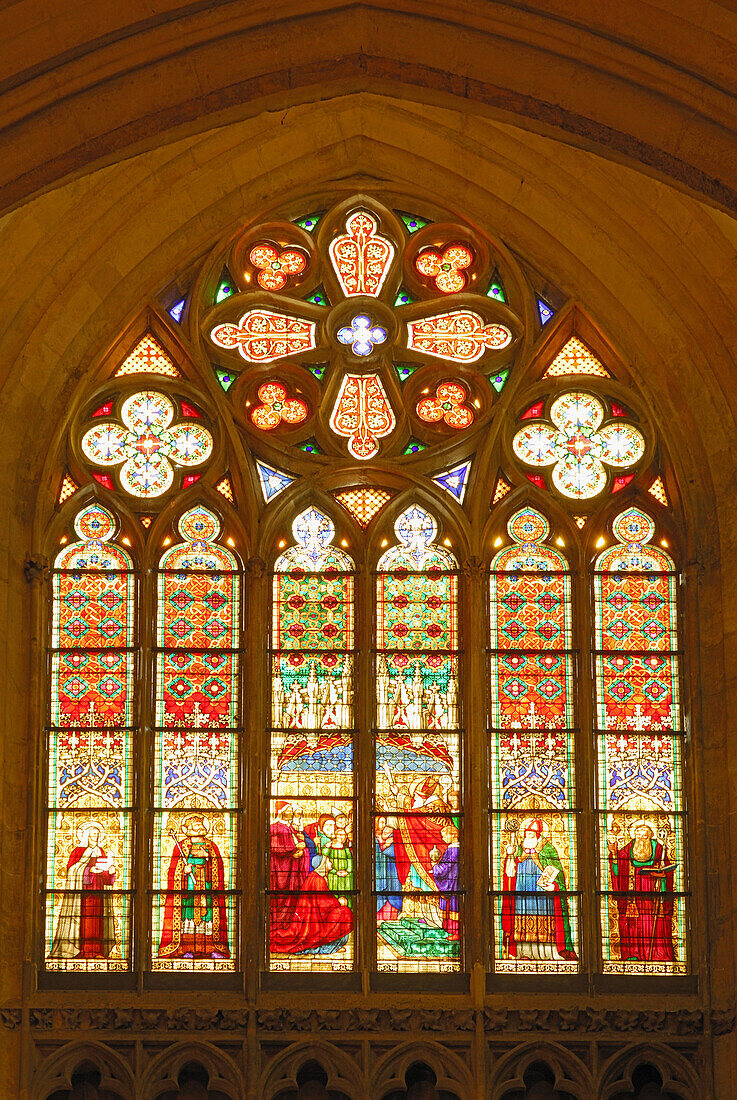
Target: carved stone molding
354,1020
36,568
474,569
256,568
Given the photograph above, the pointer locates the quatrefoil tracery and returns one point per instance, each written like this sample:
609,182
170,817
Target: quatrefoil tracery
577,447
146,444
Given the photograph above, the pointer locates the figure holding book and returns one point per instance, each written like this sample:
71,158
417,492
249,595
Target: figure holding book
535,915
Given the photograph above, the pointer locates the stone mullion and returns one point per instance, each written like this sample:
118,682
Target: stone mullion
364,753
144,794
585,751
253,764
37,575
475,788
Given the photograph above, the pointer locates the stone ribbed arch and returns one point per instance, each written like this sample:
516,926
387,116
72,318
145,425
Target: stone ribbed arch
452,1074
56,1070
610,80
342,1071
679,1076
161,1074
572,1076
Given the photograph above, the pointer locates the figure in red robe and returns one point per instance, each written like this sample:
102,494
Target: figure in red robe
643,879
319,924
289,864
86,926
195,921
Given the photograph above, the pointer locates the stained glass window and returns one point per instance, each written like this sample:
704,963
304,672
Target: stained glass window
90,747
312,892
640,743
196,793
417,822
533,786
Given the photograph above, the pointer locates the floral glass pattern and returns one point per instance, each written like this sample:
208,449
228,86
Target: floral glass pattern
146,445
312,897
277,407
417,822
90,750
446,268
447,406
533,792
275,267
576,445
640,747
361,256
362,335
196,750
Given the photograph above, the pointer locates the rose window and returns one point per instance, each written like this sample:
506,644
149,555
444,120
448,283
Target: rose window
146,445
576,445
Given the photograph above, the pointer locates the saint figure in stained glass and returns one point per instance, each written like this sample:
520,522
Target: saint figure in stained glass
85,928
417,844
195,923
311,847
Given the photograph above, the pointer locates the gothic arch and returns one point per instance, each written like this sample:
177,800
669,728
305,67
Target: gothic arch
451,1072
343,1073
679,1077
571,1075
57,1069
162,1073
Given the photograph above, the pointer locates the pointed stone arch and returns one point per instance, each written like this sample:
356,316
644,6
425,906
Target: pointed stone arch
570,1076
342,1075
225,1078
56,1072
678,1078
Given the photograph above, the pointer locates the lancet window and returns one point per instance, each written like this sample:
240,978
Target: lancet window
91,743
417,825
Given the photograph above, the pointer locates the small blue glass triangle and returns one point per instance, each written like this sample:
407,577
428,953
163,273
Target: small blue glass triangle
225,287
455,481
545,311
272,481
177,310
309,221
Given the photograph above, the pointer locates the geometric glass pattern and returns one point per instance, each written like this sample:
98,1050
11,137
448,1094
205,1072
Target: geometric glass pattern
148,357
196,751
363,504
533,793
575,358
312,879
644,905
418,816
657,490
577,447
545,312
90,750
68,488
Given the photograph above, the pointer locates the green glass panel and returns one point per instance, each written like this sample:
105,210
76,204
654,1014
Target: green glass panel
405,370
309,221
311,447
413,447
226,378
498,381
496,288
319,370
226,287
412,222
319,297
404,298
